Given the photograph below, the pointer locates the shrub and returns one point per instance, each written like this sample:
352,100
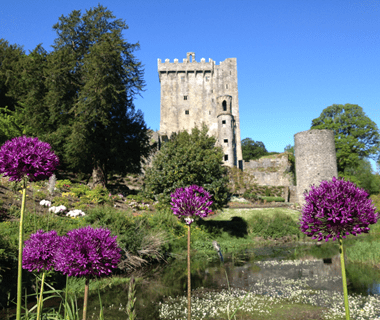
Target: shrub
60,201
188,159
61,183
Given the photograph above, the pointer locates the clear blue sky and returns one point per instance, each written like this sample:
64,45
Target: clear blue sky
294,58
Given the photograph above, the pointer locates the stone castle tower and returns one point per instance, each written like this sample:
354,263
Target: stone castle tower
194,92
315,159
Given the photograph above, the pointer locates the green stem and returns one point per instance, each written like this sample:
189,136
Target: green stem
39,307
85,299
344,280
20,245
67,284
188,276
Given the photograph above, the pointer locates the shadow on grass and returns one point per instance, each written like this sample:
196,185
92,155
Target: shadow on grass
236,227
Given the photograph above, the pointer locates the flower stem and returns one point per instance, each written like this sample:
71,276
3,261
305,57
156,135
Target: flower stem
85,298
39,307
20,244
188,276
344,280
67,284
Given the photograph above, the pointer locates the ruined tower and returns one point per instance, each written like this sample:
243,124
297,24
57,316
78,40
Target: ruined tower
194,92
315,159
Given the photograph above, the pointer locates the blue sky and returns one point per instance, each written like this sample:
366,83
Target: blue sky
294,58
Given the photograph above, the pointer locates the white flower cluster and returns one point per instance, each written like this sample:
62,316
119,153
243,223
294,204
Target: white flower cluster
189,220
135,205
75,213
45,203
58,209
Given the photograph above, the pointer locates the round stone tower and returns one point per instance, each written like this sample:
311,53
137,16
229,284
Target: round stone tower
315,159
226,126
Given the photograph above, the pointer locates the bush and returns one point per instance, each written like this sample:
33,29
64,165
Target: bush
188,159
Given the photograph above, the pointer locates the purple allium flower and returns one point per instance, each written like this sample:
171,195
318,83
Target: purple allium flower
39,251
336,209
88,252
27,156
191,201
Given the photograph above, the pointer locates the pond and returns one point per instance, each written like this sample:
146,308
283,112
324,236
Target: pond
276,271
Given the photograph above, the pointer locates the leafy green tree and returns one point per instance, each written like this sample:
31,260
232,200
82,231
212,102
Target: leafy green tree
363,177
188,159
84,106
252,150
356,135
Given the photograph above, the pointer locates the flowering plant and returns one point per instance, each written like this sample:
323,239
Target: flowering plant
21,159
336,209
75,213
39,251
27,156
45,203
58,209
39,254
190,202
88,252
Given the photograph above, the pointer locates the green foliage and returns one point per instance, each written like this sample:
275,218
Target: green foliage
363,177
40,195
185,160
252,150
61,183
276,226
98,195
292,158
60,201
356,135
80,190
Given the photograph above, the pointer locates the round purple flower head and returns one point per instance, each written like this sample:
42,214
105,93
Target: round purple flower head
88,252
27,156
190,202
336,209
39,251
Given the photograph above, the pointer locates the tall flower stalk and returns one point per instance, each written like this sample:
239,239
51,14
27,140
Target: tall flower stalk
333,211
22,159
187,204
89,253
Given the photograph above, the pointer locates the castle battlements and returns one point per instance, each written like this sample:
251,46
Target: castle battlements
185,66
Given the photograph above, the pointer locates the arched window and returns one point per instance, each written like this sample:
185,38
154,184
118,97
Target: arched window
224,104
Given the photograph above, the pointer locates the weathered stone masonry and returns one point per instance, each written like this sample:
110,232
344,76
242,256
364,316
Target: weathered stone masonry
194,92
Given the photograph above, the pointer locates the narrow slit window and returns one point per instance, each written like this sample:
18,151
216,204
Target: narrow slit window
186,111
226,86
207,78
182,78
225,140
209,112
184,97
226,157
212,91
223,121
224,104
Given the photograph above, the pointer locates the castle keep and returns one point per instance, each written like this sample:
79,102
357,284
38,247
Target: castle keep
194,92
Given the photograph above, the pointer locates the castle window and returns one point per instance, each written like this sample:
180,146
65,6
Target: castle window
225,140
184,97
226,86
209,112
212,91
182,78
212,100
186,111
207,78
230,72
224,104
226,157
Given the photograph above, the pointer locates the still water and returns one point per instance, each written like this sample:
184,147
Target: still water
259,270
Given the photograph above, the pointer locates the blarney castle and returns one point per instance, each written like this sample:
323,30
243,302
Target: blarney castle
194,92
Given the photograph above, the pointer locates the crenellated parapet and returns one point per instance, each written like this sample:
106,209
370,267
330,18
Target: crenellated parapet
186,65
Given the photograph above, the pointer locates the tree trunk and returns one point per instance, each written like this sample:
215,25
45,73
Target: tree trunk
98,176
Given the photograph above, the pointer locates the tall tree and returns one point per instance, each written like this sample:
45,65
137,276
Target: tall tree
356,135
252,149
92,77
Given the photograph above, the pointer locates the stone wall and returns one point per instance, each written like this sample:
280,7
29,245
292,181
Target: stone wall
273,170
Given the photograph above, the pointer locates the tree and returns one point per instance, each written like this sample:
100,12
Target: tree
87,112
363,177
252,150
188,159
356,135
